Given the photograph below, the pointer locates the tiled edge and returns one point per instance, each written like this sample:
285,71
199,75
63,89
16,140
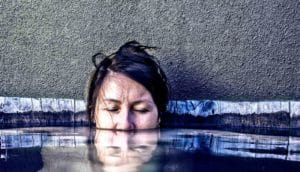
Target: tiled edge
80,112
79,106
36,104
295,114
294,146
21,104
25,105
194,107
10,105
295,109
50,105
66,105
241,108
2,100
266,114
273,106
202,108
211,107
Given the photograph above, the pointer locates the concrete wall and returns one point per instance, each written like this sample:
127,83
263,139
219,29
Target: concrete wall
215,49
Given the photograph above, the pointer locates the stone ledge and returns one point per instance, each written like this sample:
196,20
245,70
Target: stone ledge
20,105
280,114
211,107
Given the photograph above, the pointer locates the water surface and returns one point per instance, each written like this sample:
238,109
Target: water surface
84,149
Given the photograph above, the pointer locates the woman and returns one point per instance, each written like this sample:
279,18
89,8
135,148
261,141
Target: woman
128,90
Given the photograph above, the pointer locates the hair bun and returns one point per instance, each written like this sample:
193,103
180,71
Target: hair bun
95,58
134,48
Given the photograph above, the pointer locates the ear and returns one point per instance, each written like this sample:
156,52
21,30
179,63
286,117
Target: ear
94,120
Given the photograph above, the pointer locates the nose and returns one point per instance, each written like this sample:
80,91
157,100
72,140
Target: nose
125,121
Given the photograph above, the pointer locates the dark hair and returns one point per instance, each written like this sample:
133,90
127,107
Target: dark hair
133,61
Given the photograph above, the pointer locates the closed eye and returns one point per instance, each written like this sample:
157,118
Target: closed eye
142,110
112,109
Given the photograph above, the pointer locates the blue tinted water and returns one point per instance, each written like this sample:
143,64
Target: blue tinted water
81,149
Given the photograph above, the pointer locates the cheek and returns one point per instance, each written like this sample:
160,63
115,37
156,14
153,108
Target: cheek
149,120
103,119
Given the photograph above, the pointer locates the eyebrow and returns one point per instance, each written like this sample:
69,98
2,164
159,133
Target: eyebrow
135,102
112,100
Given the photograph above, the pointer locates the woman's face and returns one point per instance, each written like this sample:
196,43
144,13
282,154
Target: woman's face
124,104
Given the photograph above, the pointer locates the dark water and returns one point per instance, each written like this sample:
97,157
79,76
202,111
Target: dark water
81,149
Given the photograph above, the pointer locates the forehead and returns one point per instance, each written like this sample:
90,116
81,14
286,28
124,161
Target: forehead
120,87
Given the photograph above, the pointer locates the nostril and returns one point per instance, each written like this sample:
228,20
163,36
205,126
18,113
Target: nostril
132,126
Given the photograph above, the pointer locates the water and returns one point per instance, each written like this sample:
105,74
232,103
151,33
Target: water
81,149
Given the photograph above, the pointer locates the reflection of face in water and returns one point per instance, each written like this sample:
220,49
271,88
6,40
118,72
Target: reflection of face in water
125,151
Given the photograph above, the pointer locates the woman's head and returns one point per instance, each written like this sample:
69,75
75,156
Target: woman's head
128,89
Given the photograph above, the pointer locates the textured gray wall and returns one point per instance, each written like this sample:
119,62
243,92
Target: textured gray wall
214,49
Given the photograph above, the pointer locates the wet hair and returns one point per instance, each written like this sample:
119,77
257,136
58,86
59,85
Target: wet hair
133,61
